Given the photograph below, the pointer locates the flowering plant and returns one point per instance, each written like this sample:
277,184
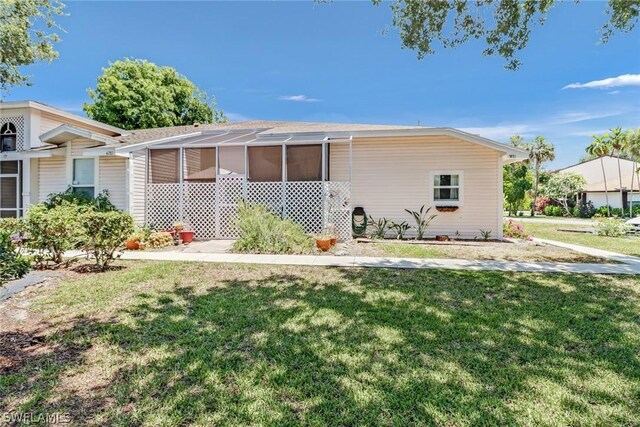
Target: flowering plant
514,230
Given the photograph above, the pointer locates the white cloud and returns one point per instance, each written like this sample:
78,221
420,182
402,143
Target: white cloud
623,80
583,116
501,132
298,98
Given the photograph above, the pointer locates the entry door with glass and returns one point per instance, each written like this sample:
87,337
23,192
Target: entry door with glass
10,194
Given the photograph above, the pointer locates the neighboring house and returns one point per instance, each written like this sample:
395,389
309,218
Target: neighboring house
595,188
314,173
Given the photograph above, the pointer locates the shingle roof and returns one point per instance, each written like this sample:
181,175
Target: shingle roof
273,127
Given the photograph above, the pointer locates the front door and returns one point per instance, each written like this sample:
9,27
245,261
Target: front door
10,194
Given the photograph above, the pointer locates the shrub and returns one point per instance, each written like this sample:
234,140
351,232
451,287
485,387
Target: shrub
378,229
555,211
401,229
13,265
54,231
515,231
160,239
485,234
602,211
586,210
13,225
101,202
261,231
422,220
541,203
611,227
105,232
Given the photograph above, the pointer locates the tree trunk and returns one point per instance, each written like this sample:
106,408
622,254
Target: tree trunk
633,175
535,192
620,178
606,191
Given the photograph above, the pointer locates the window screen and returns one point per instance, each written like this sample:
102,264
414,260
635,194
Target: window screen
8,193
8,167
164,166
84,176
265,163
304,163
446,187
231,160
200,164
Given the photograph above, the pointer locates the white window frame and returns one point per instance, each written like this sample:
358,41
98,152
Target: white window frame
17,176
96,170
460,188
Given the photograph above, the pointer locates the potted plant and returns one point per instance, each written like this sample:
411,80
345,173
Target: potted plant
133,242
186,236
323,242
331,232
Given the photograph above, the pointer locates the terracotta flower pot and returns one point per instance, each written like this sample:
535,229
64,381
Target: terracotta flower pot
132,244
323,244
186,236
334,241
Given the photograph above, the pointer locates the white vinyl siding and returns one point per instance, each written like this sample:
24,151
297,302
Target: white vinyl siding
392,174
113,178
52,176
79,145
137,185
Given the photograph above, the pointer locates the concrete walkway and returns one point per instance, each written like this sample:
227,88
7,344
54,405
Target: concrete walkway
552,220
32,278
383,262
613,256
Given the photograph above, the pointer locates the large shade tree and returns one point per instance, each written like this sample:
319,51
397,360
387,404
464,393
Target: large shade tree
28,33
138,94
562,187
502,26
517,179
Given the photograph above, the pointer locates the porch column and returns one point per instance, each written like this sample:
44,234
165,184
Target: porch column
24,174
181,182
284,181
146,186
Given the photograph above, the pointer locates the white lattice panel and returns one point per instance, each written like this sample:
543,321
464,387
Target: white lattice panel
200,209
18,122
304,204
163,205
210,209
230,190
226,218
266,193
338,207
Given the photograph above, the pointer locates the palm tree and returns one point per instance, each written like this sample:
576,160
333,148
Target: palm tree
632,148
617,141
599,148
540,151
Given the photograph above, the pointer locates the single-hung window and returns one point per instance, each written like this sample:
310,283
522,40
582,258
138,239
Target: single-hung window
84,177
446,187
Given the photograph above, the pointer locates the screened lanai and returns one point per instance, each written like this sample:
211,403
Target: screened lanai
199,180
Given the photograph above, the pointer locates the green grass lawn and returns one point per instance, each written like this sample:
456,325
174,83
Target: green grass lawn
625,245
204,344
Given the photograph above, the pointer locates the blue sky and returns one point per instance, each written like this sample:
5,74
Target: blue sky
335,62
